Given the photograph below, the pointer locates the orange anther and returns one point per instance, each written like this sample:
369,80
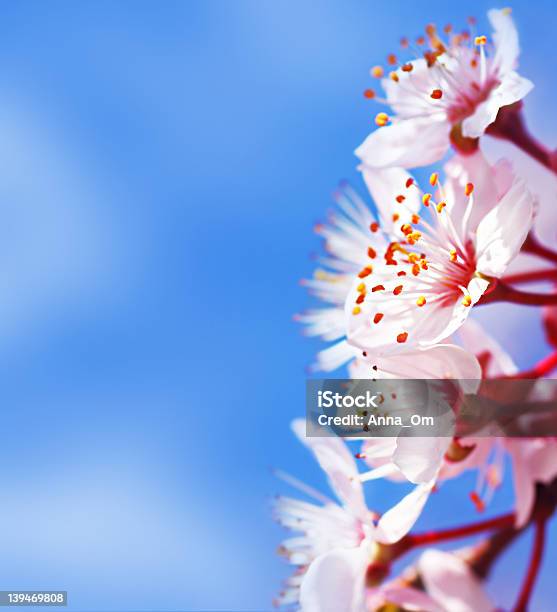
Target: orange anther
436,94
377,72
377,317
365,272
401,338
369,94
469,188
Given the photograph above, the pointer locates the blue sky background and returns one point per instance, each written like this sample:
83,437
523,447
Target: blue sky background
161,168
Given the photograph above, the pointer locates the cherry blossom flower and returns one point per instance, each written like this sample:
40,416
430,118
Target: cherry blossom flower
349,249
454,91
432,277
533,459
337,526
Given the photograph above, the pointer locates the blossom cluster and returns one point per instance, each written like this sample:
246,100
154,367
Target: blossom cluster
400,282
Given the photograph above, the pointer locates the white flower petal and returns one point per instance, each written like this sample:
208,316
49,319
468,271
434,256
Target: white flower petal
420,459
398,521
512,89
335,582
450,581
503,230
408,143
505,38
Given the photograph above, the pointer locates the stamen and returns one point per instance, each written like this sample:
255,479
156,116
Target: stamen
433,179
480,40
377,288
394,76
361,288
436,94
440,206
391,59
469,189
371,253
381,119
397,290
421,301
407,68
396,217
426,198
409,182
467,301
369,94
401,273
374,226
452,255
378,317
401,338
356,310
404,42
377,72
360,298
400,199
477,501
365,272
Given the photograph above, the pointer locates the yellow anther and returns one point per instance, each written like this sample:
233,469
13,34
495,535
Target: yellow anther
480,40
356,310
426,198
469,188
377,72
361,288
452,254
433,179
394,76
381,119
467,301
440,206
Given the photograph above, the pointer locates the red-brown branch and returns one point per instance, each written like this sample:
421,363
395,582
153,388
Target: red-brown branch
510,125
442,535
505,293
533,568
